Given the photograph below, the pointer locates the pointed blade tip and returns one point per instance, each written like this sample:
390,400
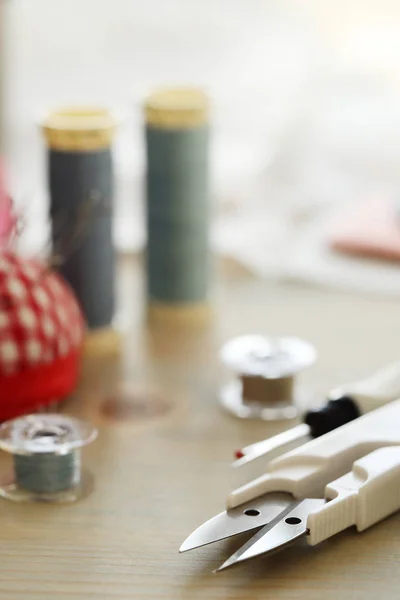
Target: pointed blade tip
231,562
224,566
188,545
185,546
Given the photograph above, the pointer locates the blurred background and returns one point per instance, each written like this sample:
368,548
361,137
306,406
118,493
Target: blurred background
306,116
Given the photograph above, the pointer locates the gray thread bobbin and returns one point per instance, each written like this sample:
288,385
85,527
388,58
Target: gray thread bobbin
263,386
46,454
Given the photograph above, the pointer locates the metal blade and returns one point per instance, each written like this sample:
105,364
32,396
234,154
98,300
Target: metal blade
246,517
275,446
273,537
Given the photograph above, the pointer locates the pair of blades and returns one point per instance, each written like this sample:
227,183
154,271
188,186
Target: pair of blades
279,518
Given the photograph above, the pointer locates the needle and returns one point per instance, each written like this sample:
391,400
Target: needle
274,446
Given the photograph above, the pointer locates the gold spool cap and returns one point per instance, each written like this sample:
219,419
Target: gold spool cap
177,108
101,342
192,314
79,129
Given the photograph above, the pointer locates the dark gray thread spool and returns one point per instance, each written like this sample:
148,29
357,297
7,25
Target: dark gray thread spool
47,457
178,265
81,187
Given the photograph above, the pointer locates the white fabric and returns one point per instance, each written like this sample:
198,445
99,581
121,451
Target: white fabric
306,114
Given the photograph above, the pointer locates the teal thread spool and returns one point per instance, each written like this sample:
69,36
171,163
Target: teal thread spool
47,473
81,189
178,265
47,460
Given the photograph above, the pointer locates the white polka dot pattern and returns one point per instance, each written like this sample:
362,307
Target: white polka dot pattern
40,320
48,326
33,351
27,318
16,288
41,297
9,351
5,264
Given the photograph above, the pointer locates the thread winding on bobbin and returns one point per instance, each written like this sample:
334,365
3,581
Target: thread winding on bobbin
47,473
46,452
264,370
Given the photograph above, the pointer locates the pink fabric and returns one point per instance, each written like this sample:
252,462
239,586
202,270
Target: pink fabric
8,220
369,229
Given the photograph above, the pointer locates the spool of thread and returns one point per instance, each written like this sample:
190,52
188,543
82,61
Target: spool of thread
263,385
46,451
81,188
178,203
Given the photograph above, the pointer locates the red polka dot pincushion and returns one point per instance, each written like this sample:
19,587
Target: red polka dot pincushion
41,336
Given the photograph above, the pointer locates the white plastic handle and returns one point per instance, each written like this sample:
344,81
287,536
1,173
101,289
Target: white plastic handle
366,495
375,391
305,471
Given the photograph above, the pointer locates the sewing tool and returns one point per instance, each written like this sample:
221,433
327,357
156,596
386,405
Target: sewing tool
349,476
264,369
41,333
345,403
46,452
81,188
177,204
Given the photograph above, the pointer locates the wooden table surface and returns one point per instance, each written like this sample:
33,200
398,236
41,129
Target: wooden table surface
161,460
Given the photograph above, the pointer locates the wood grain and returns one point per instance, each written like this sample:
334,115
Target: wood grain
161,461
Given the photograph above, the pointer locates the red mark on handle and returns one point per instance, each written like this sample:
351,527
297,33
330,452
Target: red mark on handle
239,453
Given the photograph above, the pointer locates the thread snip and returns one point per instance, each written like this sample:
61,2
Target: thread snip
46,451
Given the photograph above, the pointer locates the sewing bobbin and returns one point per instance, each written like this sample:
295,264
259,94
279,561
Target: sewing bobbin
47,458
263,386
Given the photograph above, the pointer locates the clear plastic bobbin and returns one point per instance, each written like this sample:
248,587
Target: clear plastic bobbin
47,458
262,376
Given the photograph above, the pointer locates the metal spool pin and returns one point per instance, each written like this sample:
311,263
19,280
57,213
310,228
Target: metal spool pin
264,370
46,455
